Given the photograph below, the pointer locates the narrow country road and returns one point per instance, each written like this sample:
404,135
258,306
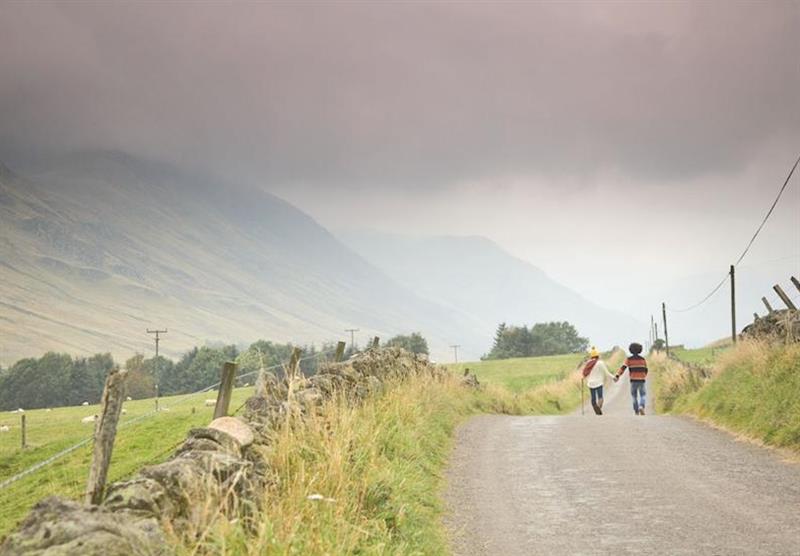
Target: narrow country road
617,484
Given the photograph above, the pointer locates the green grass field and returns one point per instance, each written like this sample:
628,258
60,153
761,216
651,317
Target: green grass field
522,373
149,440
699,356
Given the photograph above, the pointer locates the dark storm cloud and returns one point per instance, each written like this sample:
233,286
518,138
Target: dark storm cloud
406,93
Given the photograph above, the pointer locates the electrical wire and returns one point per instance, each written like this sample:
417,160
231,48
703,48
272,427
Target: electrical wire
749,244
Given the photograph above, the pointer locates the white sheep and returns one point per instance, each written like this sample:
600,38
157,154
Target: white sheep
20,410
128,399
5,428
89,419
211,403
124,411
85,403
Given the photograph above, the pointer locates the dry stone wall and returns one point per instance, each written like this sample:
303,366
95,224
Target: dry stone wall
219,467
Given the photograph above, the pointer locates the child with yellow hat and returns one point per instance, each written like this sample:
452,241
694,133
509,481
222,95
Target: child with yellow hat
595,372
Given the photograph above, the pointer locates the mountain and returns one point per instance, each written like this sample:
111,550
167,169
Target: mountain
97,247
487,285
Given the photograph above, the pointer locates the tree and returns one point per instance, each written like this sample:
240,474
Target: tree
414,343
550,338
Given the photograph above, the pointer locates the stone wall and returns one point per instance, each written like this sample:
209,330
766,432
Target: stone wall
219,467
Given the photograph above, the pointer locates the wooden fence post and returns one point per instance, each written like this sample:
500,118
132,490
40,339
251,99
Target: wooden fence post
784,297
375,342
24,431
294,363
770,310
796,282
733,304
339,352
225,389
104,433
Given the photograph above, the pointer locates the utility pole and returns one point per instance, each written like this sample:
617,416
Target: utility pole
733,304
158,339
666,337
352,332
455,351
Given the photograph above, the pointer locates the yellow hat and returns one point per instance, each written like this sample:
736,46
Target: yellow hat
593,352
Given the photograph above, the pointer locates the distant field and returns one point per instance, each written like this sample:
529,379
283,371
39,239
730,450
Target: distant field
522,373
150,440
699,356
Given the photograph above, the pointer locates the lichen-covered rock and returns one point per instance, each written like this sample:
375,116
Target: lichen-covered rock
782,326
57,527
234,427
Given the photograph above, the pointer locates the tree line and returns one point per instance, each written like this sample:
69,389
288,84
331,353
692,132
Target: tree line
58,379
544,338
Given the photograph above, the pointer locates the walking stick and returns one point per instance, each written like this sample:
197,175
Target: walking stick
582,379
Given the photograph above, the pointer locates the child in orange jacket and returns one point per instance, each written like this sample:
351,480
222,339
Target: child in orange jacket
637,366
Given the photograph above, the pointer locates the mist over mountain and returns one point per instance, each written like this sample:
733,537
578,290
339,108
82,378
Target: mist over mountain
98,246
476,277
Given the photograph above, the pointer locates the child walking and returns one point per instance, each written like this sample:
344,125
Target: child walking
637,366
595,372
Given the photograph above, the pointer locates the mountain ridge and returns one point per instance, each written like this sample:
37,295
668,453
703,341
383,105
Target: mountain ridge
223,263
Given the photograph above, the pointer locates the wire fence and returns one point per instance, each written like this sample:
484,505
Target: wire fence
182,399
142,440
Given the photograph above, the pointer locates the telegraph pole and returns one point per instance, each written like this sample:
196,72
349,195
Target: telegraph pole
352,332
158,339
455,351
666,337
733,304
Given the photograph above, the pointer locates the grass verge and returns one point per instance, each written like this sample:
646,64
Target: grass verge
751,389
368,479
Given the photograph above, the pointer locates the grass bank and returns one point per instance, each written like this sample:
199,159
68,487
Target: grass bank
368,479
751,389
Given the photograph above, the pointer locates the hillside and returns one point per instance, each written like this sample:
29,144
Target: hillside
474,276
99,246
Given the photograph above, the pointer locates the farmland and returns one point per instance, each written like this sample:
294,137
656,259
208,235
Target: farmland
522,373
144,437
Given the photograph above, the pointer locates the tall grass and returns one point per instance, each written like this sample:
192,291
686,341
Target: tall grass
752,389
367,479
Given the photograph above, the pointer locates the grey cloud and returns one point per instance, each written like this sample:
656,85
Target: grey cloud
412,94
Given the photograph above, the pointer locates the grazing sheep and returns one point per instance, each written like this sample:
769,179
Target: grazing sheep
124,411
211,403
5,428
85,403
89,419
128,399
20,410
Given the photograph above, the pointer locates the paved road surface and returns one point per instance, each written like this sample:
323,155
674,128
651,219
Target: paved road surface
617,484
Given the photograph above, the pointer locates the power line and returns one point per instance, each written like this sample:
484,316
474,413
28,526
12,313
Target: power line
749,244
769,212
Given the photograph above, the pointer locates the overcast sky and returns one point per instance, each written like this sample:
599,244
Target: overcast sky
621,147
